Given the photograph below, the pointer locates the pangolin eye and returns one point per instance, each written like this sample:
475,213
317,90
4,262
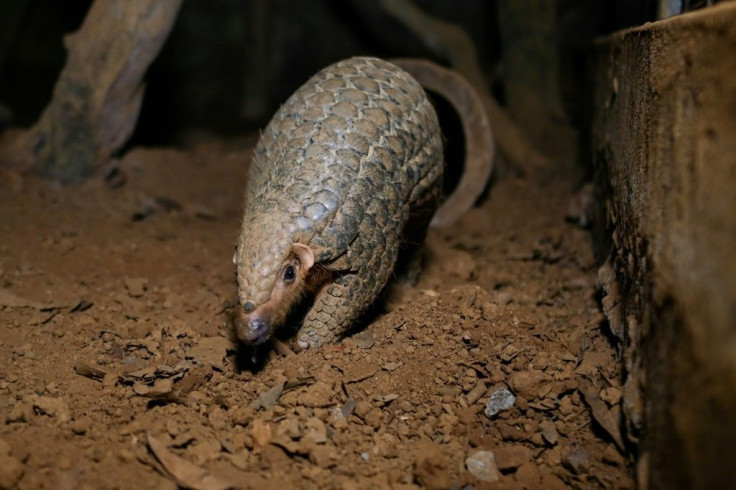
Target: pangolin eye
289,274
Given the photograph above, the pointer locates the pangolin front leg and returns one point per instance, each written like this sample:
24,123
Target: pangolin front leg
340,303
335,310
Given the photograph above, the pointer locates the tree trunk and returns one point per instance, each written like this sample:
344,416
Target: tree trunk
98,96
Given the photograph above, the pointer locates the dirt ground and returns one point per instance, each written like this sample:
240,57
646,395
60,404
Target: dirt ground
119,366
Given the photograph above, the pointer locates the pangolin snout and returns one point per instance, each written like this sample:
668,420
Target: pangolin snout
252,329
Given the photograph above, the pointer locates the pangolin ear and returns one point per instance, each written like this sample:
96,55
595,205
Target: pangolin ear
304,254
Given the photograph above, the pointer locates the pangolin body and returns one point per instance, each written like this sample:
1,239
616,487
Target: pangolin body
337,173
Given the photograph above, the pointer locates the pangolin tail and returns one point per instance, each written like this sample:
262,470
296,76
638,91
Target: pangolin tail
479,143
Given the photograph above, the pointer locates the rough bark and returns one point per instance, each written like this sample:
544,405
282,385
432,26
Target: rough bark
97,98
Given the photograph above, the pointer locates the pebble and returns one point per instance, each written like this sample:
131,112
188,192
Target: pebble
613,457
527,383
510,457
406,406
373,418
490,311
242,415
611,395
136,286
482,465
210,351
261,432
477,392
81,426
362,408
53,407
323,456
501,399
315,431
364,340
578,460
337,419
317,395
528,474
549,432
290,428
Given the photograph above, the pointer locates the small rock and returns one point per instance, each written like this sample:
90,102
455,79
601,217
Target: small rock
359,371
269,398
386,445
383,400
529,475
239,460
566,406
552,482
274,457
431,467
53,407
613,457
549,432
261,432
161,388
477,392
242,415
11,471
315,431
373,418
611,395
136,286
469,381
337,419
323,456
364,340
510,457
482,465
501,399
317,395
19,413
290,428
509,353
406,406
527,383
81,426
362,408
126,456
490,311
348,408
578,460
391,366
210,351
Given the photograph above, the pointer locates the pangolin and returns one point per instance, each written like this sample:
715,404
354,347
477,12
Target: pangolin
347,165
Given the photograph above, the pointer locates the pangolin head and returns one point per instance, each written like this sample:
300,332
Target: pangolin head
271,268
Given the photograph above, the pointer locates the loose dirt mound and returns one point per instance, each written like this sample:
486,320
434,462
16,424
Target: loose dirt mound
120,369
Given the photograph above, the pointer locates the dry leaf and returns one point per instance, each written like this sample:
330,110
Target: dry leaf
600,411
184,473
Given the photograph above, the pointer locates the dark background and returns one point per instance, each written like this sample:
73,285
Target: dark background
228,64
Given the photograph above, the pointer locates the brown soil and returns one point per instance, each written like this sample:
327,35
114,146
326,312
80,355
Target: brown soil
118,354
